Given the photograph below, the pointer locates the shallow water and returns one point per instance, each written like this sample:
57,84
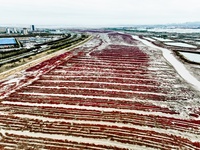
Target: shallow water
178,66
180,44
191,56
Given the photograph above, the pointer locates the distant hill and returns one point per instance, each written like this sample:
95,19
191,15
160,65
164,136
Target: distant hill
187,25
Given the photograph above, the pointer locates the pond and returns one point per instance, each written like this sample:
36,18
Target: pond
162,40
150,39
180,44
191,56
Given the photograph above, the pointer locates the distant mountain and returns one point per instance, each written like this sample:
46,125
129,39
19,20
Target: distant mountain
192,24
195,25
186,25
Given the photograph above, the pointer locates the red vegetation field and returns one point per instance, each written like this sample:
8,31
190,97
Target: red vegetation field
110,93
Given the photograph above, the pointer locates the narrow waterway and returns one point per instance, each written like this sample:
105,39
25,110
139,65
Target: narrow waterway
191,56
179,67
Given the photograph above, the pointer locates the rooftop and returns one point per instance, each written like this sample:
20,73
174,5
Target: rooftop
7,41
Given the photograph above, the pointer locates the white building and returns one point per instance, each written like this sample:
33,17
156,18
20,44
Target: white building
25,31
15,30
8,30
2,30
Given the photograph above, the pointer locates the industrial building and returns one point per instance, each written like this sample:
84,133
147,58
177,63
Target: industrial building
8,43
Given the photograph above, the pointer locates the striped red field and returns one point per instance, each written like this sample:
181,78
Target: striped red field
110,93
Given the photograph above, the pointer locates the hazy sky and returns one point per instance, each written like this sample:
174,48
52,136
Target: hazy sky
98,12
